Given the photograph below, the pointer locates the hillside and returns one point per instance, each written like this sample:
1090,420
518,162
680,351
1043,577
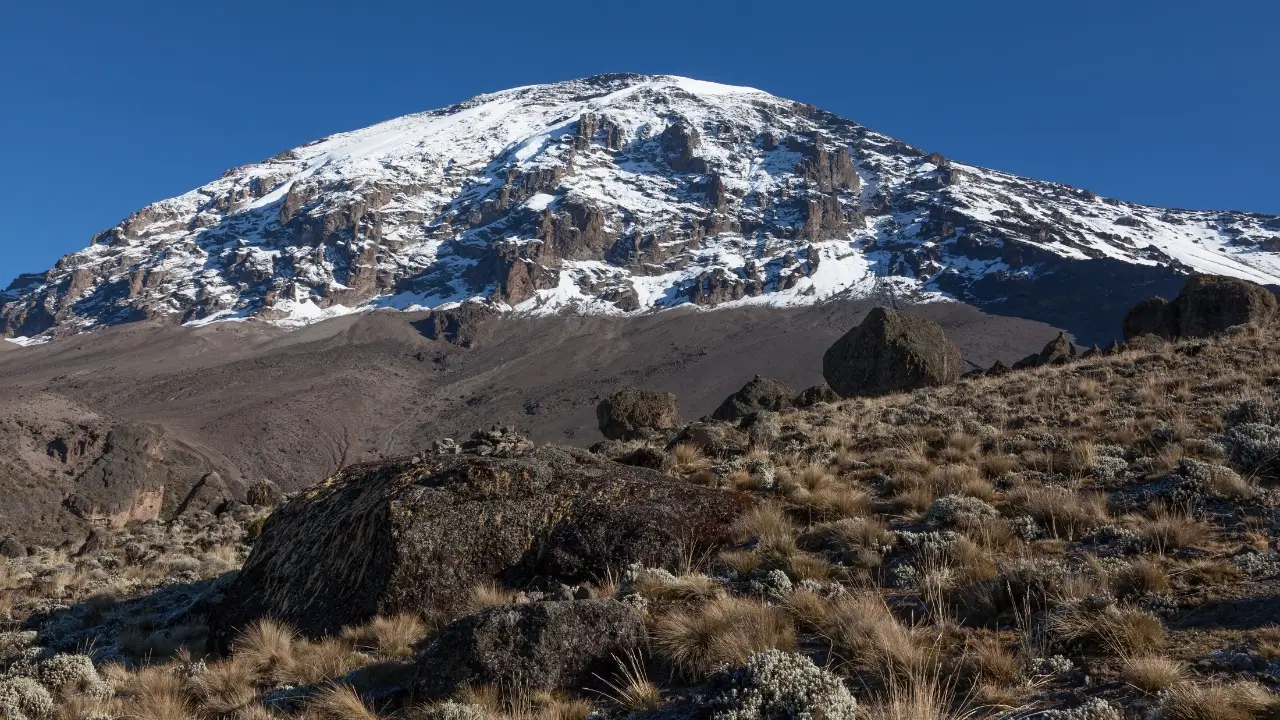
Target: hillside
1090,539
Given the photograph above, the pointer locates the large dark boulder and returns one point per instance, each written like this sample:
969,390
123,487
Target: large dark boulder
891,351
632,414
1209,304
1206,305
417,534
761,393
1153,316
537,646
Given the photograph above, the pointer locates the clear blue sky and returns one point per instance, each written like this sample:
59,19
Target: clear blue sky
108,106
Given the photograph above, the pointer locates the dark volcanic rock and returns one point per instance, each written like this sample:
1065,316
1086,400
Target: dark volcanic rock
415,535
1153,316
1057,351
464,326
535,646
1206,306
761,393
633,413
1209,304
814,395
715,440
890,351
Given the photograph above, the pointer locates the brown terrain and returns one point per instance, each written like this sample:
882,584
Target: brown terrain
1092,536
250,401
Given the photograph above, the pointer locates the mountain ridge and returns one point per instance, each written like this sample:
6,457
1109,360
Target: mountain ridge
622,194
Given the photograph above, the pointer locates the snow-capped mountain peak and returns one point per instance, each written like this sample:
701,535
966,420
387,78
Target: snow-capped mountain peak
611,194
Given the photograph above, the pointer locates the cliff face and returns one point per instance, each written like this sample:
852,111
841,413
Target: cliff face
620,194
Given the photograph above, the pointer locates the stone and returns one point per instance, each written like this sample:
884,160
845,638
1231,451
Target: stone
397,536
714,440
1209,304
11,548
1058,351
97,542
760,394
1153,316
891,351
633,413
557,645
265,493
815,395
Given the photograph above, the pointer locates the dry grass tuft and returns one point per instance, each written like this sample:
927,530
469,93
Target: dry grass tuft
267,646
1168,529
726,630
1216,701
340,702
1120,630
389,636
1151,673
631,690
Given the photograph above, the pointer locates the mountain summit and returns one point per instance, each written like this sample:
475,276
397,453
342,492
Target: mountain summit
623,194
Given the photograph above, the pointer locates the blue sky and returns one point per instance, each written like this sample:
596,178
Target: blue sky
105,107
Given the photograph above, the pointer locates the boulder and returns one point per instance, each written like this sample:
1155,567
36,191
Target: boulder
417,534
1056,352
814,395
891,351
632,414
11,548
714,440
1153,316
536,646
760,394
997,369
265,493
1209,304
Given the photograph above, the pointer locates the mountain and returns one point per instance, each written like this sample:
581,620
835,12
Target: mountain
627,194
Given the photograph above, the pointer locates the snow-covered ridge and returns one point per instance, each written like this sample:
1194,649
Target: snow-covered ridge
611,194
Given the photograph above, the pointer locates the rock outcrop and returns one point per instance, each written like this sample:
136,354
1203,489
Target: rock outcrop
891,351
548,646
761,393
1207,305
634,413
417,534
1057,351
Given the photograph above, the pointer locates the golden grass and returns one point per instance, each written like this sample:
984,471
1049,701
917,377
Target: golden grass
630,689
1151,673
727,630
340,702
1216,701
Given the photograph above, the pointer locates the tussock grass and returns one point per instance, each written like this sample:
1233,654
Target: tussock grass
726,630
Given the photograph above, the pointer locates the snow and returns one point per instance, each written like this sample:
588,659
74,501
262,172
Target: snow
222,247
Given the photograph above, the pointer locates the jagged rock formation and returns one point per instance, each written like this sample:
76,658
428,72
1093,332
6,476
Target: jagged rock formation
622,194
890,351
67,470
416,535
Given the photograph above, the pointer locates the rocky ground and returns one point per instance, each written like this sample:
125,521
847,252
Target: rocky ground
1093,537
